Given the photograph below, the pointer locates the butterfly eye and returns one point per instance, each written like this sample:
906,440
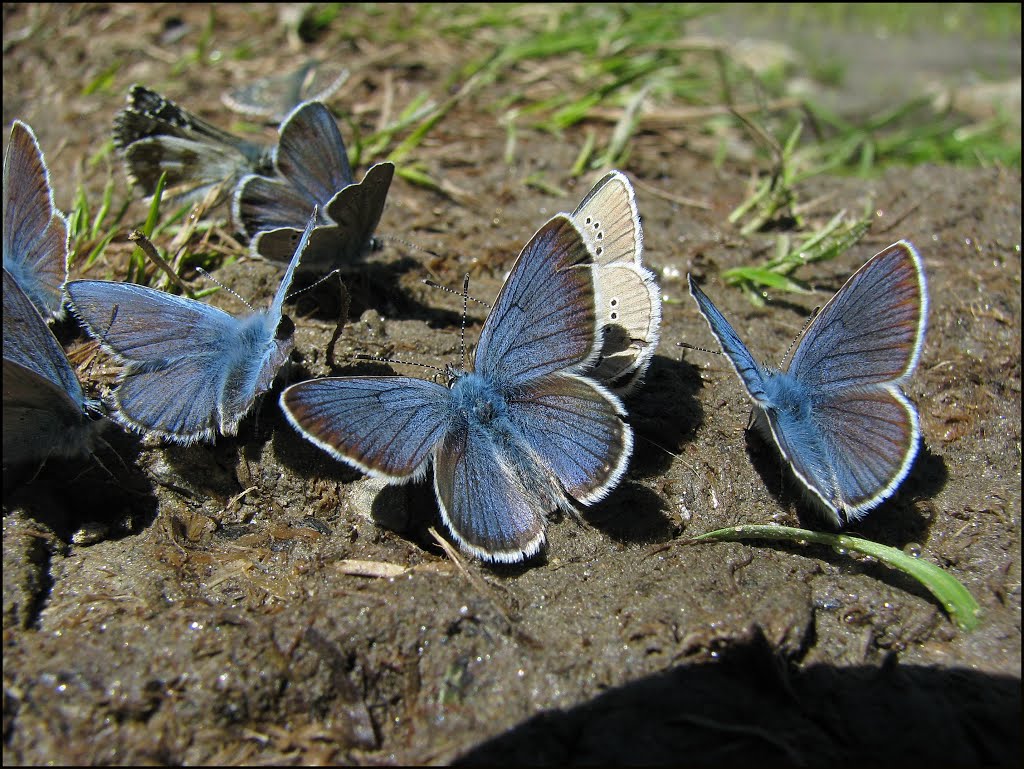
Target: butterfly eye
285,328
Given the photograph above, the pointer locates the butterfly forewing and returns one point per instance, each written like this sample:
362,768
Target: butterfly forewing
610,222
748,369
35,234
311,154
872,330
545,311
385,426
142,324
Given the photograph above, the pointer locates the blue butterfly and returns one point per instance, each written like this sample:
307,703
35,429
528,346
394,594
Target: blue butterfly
275,96
35,233
46,414
190,370
156,136
511,440
312,169
838,414
630,314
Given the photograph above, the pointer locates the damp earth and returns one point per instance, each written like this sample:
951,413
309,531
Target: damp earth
254,601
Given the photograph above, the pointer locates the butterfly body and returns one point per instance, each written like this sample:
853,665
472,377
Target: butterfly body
516,437
190,371
838,414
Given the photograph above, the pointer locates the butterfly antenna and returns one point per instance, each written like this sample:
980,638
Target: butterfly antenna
689,346
233,293
364,356
812,316
462,331
403,242
435,284
140,239
326,277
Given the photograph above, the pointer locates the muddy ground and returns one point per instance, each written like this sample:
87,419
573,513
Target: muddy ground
194,605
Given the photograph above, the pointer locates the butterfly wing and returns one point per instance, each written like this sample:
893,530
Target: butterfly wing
45,411
262,204
275,96
384,426
156,136
357,208
544,319
610,222
194,169
147,113
492,498
29,342
872,330
749,371
40,419
35,234
857,452
576,427
175,352
311,155
630,318
321,252
630,300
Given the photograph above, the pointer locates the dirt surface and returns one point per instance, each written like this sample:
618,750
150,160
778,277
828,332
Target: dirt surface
195,605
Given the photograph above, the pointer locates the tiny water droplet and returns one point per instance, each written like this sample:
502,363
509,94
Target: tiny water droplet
913,549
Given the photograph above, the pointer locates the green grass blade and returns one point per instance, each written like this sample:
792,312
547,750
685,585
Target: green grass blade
958,602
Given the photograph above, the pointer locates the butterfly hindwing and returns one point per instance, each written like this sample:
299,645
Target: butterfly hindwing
576,428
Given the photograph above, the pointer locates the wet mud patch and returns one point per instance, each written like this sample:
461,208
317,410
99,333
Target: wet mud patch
211,604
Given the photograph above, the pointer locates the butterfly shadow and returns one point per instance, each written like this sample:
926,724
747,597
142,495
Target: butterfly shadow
899,520
665,414
211,469
369,285
632,514
106,494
